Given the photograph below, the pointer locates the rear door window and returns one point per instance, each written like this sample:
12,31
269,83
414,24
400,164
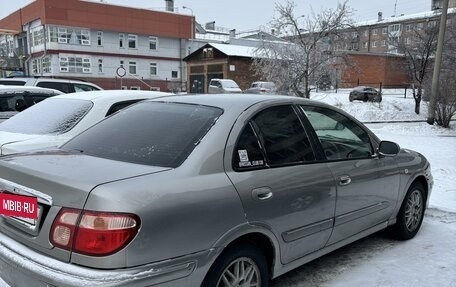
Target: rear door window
84,88
150,133
273,137
121,105
283,136
61,86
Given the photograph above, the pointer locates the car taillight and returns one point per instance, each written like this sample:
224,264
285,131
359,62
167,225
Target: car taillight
93,233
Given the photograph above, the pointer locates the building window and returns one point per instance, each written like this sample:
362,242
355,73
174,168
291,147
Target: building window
153,43
374,32
408,27
174,74
374,44
100,38
36,67
419,26
100,65
73,36
136,88
408,40
132,68
124,88
37,36
132,41
155,89
354,34
121,40
365,45
121,64
75,64
53,34
354,46
383,43
153,69
46,64
62,35
432,24
208,53
366,33
385,30
394,28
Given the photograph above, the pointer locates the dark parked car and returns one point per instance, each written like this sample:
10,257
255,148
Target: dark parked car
365,94
206,190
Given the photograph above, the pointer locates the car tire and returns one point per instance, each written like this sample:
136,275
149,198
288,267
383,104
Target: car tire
366,98
411,214
245,256
351,98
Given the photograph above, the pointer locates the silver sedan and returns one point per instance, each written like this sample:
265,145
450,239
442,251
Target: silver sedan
206,190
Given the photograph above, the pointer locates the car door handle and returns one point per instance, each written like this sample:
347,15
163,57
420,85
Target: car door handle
344,180
262,193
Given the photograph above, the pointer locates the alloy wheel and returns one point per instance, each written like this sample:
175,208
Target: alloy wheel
414,210
242,272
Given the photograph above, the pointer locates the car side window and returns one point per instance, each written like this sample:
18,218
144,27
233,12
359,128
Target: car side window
118,106
248,153
83,88
340,137
63,87
38,98
283,136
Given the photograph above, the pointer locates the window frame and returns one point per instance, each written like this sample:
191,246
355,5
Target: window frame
372,142
153,41
305,124
132,38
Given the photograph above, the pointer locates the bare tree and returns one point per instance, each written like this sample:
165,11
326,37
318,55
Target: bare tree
445,108
298,64
418,46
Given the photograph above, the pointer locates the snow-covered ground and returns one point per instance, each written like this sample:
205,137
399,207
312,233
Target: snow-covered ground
427,260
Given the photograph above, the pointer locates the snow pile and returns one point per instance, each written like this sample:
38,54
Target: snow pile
394,106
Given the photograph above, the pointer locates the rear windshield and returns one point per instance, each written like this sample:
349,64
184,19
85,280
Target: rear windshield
51,116
150,133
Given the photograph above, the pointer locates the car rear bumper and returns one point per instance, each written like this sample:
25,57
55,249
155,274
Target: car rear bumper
22,266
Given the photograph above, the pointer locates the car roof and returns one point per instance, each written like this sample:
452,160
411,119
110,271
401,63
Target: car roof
238,102
363,87
33,80
8,89
113,95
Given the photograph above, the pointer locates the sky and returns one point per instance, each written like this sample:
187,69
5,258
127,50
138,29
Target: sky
244,15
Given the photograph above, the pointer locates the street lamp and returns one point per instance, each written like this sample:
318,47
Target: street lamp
188,8
193,19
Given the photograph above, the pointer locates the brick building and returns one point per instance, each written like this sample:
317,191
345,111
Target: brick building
373,69
222,61
98,42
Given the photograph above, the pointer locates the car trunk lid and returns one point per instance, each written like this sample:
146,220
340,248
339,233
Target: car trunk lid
58,179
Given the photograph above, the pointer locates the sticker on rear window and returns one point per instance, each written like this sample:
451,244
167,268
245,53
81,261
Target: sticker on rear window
243,156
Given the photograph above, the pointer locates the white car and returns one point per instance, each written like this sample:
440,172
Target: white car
63,85
54,121
221,86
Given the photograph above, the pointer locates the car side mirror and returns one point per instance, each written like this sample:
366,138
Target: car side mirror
387,148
